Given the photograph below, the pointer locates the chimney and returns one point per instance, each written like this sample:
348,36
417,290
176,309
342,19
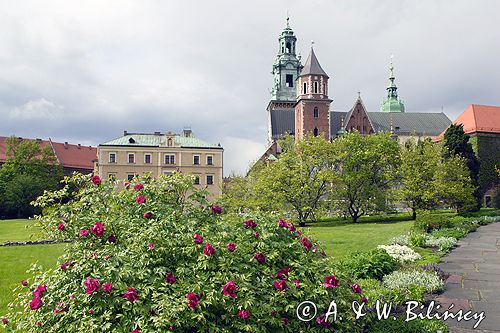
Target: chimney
125,133
157,133
79,146
187,132
65,144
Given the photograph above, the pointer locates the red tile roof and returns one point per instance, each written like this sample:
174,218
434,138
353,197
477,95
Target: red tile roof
479,118
69,155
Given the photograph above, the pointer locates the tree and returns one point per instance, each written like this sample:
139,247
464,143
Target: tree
366,169
419,163
28,171
300,178
457,143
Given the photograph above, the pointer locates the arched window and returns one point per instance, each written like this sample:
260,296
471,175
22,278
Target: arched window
304,88
316,112
315,87
316,132
288,47
169,142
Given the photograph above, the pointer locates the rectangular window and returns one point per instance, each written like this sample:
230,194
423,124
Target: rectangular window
210,160
112,158
210,180
147,158
131,158
130,177
112,176
196,159
197,180
289,80
169,159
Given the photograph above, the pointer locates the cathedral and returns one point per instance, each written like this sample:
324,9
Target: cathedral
300,104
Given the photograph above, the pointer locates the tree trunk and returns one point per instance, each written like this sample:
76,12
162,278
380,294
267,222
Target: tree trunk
414,214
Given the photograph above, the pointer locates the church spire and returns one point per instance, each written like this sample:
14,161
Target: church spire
392,103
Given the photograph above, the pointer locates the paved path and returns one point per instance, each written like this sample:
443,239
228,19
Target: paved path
474,282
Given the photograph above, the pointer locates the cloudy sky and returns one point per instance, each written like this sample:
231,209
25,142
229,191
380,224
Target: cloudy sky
85,71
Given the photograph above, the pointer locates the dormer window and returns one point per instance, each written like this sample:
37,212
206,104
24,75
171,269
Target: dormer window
169,142
131,140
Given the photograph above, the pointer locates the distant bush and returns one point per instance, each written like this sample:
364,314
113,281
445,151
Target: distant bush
428,222
373,264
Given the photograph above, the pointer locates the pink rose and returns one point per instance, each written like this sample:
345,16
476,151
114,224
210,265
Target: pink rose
291,227
356,288
97,229
364,300
230,289
96,180
280,285
231,246
283,273
259,256
138,187
170,278
281,223
331,282
148,215
171,328
216,209
306,243
297,283
35,303
24,283
245,314
84,232
140,199
151,246
39,290
209,250
131,295
198,239
249,224
91,286
107,287
193,300
60,227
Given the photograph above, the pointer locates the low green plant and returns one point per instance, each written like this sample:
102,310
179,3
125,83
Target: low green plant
449,232
416,293
373,264
427,222
404,279
414,326
444,244
417,239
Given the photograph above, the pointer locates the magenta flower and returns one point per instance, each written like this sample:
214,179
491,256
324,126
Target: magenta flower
24,283
364,300
136,331
285,321
97,229
216,209
250,224
5,321
140,199
112,239
283,273
291,227
281,223
96,180
170,278
107,287
60,227
297,283
298,232
35,303
257,235
231,246
306,243
151,246
331,282
245,314
61,307
280,285
323,253
91,286
209,250
322,321
259,256
131,295
356,288
84,232
138,187
39,290
148,215
230,289
198,239
193,300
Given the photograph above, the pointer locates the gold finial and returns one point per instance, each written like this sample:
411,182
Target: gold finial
287,19
359,94
312,43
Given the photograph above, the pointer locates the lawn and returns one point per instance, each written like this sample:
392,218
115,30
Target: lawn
18,230
341,238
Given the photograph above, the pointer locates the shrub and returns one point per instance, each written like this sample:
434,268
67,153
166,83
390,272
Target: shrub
153,257
414,326
401,253
444,244
428,222
373,264
404,279
417,239
375,290
484,220
450,232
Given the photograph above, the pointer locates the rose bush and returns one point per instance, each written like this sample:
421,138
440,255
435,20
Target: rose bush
206,270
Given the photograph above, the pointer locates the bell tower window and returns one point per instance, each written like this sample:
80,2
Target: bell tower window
316,112
315,87
288,47
289,80
304,88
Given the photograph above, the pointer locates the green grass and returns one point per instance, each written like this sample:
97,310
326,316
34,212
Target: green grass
341,238
18,230
16,260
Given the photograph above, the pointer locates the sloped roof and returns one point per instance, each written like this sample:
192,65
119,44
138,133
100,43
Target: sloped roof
480,118
312,66
282,121
421,123
157,140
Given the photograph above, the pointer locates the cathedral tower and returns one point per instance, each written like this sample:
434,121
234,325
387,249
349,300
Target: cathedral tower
392,103
312,110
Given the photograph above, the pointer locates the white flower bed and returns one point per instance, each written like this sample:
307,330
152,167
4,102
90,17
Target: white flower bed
401,253
402,280
443,243
399,240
